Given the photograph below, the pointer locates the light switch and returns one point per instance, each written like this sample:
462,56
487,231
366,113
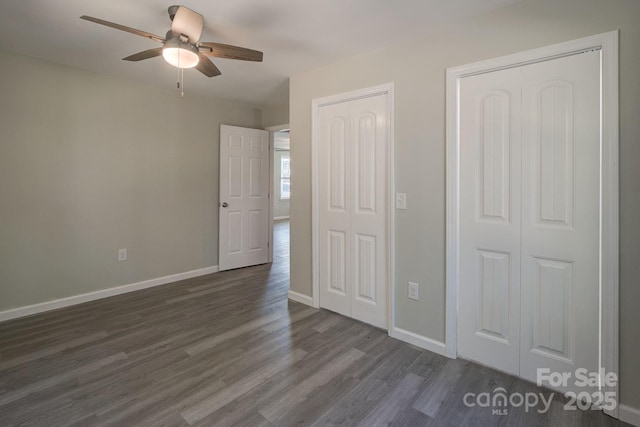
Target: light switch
401,201
413,291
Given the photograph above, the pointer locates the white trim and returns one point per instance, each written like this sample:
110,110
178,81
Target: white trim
608,44
272,191
629,415
598,41
28,310
419,340
389,90
279,218
278,128
391,209
609,215
452,214
301,298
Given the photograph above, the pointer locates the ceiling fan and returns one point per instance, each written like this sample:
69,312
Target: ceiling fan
181,46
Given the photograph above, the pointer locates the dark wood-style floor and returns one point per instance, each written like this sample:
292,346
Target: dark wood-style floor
229,349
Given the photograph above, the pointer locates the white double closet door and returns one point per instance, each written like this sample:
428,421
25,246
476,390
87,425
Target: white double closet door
529,217
351,184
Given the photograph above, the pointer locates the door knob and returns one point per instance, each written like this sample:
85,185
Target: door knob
225,204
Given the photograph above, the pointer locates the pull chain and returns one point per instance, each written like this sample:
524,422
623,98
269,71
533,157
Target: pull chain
180,79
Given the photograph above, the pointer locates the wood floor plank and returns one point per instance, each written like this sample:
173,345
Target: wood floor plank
438,388
353,407
215,340
409,417
399,397
327,324
207,291
51,381
49,350
328,395
162,406
297,394
233,391
272,389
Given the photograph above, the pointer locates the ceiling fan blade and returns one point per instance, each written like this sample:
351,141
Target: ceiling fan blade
189,23
145,54
206,67
123,28
230,52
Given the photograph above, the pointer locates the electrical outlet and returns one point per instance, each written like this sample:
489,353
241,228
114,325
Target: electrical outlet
413,291
122,254
401,201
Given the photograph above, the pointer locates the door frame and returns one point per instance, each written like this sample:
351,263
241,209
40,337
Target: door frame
316,104
607,43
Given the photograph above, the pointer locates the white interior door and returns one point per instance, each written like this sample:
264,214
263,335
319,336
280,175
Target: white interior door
529,217
244,197
352,213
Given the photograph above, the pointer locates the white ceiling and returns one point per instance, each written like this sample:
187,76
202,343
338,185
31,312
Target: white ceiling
293,34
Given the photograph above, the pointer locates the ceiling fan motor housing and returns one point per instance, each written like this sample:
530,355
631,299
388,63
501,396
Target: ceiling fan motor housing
187,22
172,11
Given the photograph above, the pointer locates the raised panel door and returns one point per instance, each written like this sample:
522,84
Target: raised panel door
352,196
489,294
244,197
560,215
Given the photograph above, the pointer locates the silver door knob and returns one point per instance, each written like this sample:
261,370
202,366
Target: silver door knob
225,204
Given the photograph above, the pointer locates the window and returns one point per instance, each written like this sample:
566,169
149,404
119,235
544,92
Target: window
285,177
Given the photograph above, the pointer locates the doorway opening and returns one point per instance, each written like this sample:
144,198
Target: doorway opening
280,195
281,190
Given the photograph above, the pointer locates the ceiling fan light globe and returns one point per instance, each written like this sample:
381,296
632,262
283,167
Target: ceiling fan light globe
180,57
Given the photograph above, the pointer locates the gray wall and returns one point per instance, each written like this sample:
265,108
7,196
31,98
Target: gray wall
280,207
275,116
418,69
90,164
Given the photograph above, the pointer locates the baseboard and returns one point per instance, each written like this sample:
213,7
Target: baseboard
301,298
278,218
629,415
28,310
419,340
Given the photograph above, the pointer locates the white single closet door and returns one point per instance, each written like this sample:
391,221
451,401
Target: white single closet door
560,215
489,297
352,198
334,187
369,143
